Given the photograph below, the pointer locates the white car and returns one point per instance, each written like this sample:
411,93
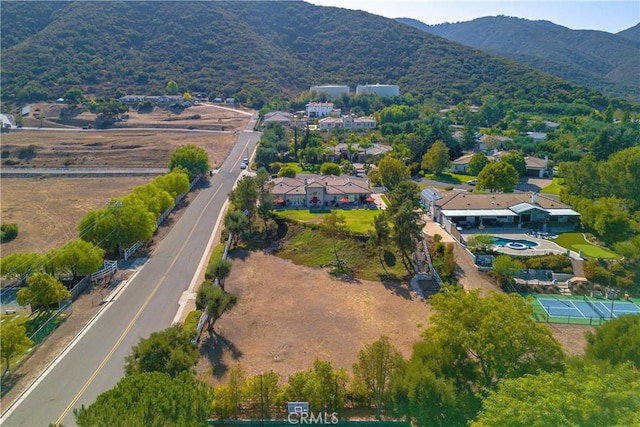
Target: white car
243,165
472,182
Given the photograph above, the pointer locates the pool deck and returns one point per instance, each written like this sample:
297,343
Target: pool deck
545,246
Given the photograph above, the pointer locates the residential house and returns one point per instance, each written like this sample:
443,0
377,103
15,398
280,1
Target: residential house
319,109
460,208
537,167
348,122
461,164
26,110
320,191
281,117
537,136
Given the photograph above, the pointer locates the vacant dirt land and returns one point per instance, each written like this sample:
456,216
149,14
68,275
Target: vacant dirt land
203,116
49,210
289,315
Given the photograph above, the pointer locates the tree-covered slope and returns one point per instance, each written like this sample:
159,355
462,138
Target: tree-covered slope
602,61
250,48
632,33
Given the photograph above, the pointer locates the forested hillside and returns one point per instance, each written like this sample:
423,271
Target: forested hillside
632,33
603,61
253,50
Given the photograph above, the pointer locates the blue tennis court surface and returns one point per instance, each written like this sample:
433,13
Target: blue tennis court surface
603,309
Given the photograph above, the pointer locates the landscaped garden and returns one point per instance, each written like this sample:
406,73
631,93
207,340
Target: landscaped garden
577,242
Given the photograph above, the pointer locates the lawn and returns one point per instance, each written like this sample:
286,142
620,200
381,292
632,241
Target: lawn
308,247
450,177
576,242
359,221
554,187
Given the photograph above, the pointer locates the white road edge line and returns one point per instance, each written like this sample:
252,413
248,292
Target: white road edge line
203,261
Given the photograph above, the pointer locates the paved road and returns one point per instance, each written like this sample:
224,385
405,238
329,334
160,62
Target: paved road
146,304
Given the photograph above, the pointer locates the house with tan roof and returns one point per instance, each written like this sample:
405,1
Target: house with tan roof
320,191
523,210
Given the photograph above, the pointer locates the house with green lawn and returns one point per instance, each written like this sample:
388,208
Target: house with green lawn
321,191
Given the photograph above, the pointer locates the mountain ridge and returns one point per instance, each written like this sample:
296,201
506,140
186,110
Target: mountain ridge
597,59
262,49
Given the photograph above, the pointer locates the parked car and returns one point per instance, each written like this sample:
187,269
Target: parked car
243,165
472,182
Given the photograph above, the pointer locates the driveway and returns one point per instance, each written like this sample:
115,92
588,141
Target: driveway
468,275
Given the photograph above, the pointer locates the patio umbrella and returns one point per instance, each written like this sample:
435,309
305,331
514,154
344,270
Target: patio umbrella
370,199
279,200
345,200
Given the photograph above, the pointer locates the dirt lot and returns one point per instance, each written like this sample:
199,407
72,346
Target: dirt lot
289,315
49,210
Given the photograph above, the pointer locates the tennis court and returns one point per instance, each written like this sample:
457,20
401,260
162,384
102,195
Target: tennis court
582,310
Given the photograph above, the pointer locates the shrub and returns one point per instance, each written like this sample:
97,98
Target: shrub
191,322
8,232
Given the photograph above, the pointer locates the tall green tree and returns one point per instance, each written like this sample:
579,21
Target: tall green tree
473,343
170,351
20,264
172,88
80,258
496,335
175,182
236,223
589,395
380,236
334,227
477,163
192,158
216,303
43,291
330,168
392,171
322,386
245,197
377,363
261,395
617,341
155,199
220,269
150,399
14,342
499,176
517,161
436,158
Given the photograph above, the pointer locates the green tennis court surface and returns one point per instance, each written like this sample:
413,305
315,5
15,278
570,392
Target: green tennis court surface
583,310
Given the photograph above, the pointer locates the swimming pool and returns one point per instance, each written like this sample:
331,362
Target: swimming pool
518,244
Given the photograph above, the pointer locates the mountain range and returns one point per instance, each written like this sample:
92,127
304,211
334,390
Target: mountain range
258,49
607,62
